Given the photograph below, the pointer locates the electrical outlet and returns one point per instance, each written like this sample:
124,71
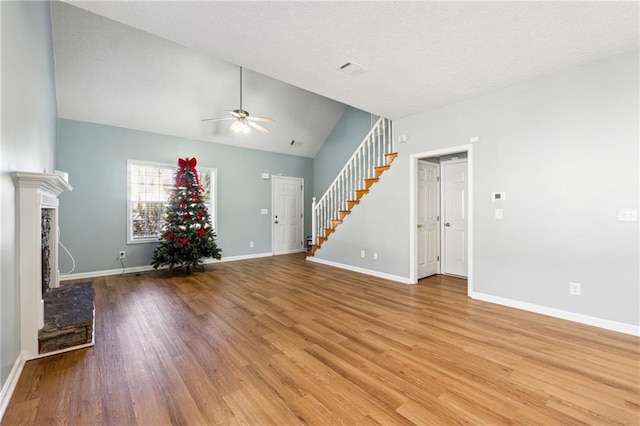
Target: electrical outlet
375,256
575,289
121,254
251,244
362,254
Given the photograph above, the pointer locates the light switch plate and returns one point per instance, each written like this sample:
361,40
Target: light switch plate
498,196
264,211
627,215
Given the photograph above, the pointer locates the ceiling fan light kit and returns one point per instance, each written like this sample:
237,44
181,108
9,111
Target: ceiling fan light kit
243,121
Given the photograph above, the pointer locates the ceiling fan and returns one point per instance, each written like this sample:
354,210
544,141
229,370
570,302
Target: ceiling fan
243,121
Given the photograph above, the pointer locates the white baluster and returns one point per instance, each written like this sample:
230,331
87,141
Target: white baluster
391,136
370,156
314,221
376,148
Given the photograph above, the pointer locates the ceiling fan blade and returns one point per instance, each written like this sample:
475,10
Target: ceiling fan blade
258,127
262,119
218,119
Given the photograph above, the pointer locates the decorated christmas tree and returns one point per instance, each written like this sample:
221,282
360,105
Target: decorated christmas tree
187,235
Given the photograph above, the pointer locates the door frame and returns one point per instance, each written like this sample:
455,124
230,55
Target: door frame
273,212
413,209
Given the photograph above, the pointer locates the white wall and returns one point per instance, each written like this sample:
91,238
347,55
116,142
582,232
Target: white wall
564,147
27,141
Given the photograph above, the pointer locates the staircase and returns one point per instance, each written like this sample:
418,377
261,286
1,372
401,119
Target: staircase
372,158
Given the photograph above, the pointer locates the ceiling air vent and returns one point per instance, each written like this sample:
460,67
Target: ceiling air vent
352,68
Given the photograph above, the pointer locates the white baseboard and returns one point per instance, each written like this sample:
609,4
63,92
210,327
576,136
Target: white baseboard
620,327
10,385
146,268
386,276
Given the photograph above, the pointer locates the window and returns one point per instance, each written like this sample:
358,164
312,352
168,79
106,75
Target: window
149,187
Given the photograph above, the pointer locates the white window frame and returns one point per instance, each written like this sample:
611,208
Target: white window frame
212,205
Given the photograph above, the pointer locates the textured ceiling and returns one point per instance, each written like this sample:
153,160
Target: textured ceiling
419,55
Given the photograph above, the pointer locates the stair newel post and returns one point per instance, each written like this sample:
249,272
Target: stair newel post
321,217
314,222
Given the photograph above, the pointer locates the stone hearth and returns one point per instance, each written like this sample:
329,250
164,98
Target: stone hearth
68,317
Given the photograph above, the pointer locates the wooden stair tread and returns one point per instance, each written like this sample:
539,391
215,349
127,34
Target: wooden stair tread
381,169
390,157
360,193
368,182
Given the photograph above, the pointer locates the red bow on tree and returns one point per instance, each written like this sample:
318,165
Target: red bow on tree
191,164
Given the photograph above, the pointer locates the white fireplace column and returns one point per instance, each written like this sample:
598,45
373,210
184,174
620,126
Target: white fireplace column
36,191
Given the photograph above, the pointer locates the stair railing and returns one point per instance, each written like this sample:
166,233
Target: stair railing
370,154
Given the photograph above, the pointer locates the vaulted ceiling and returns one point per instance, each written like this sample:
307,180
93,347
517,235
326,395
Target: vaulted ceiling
162,66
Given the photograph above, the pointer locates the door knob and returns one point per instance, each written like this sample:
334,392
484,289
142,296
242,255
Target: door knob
447,224
419,225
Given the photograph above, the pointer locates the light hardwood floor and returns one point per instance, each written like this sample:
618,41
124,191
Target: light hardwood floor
283,341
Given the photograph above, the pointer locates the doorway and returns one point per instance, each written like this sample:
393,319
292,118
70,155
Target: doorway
288,217
451,196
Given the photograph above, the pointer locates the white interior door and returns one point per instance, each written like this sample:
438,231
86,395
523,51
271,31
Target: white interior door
288,228
428,229
454,198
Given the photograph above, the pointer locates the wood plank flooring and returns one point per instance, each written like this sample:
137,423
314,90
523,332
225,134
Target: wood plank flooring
281,341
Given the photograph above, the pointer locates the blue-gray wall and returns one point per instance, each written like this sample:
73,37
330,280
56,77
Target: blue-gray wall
93,222
27,142
342,142
564,147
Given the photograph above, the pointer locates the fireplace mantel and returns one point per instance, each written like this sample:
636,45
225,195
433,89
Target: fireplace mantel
36,191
